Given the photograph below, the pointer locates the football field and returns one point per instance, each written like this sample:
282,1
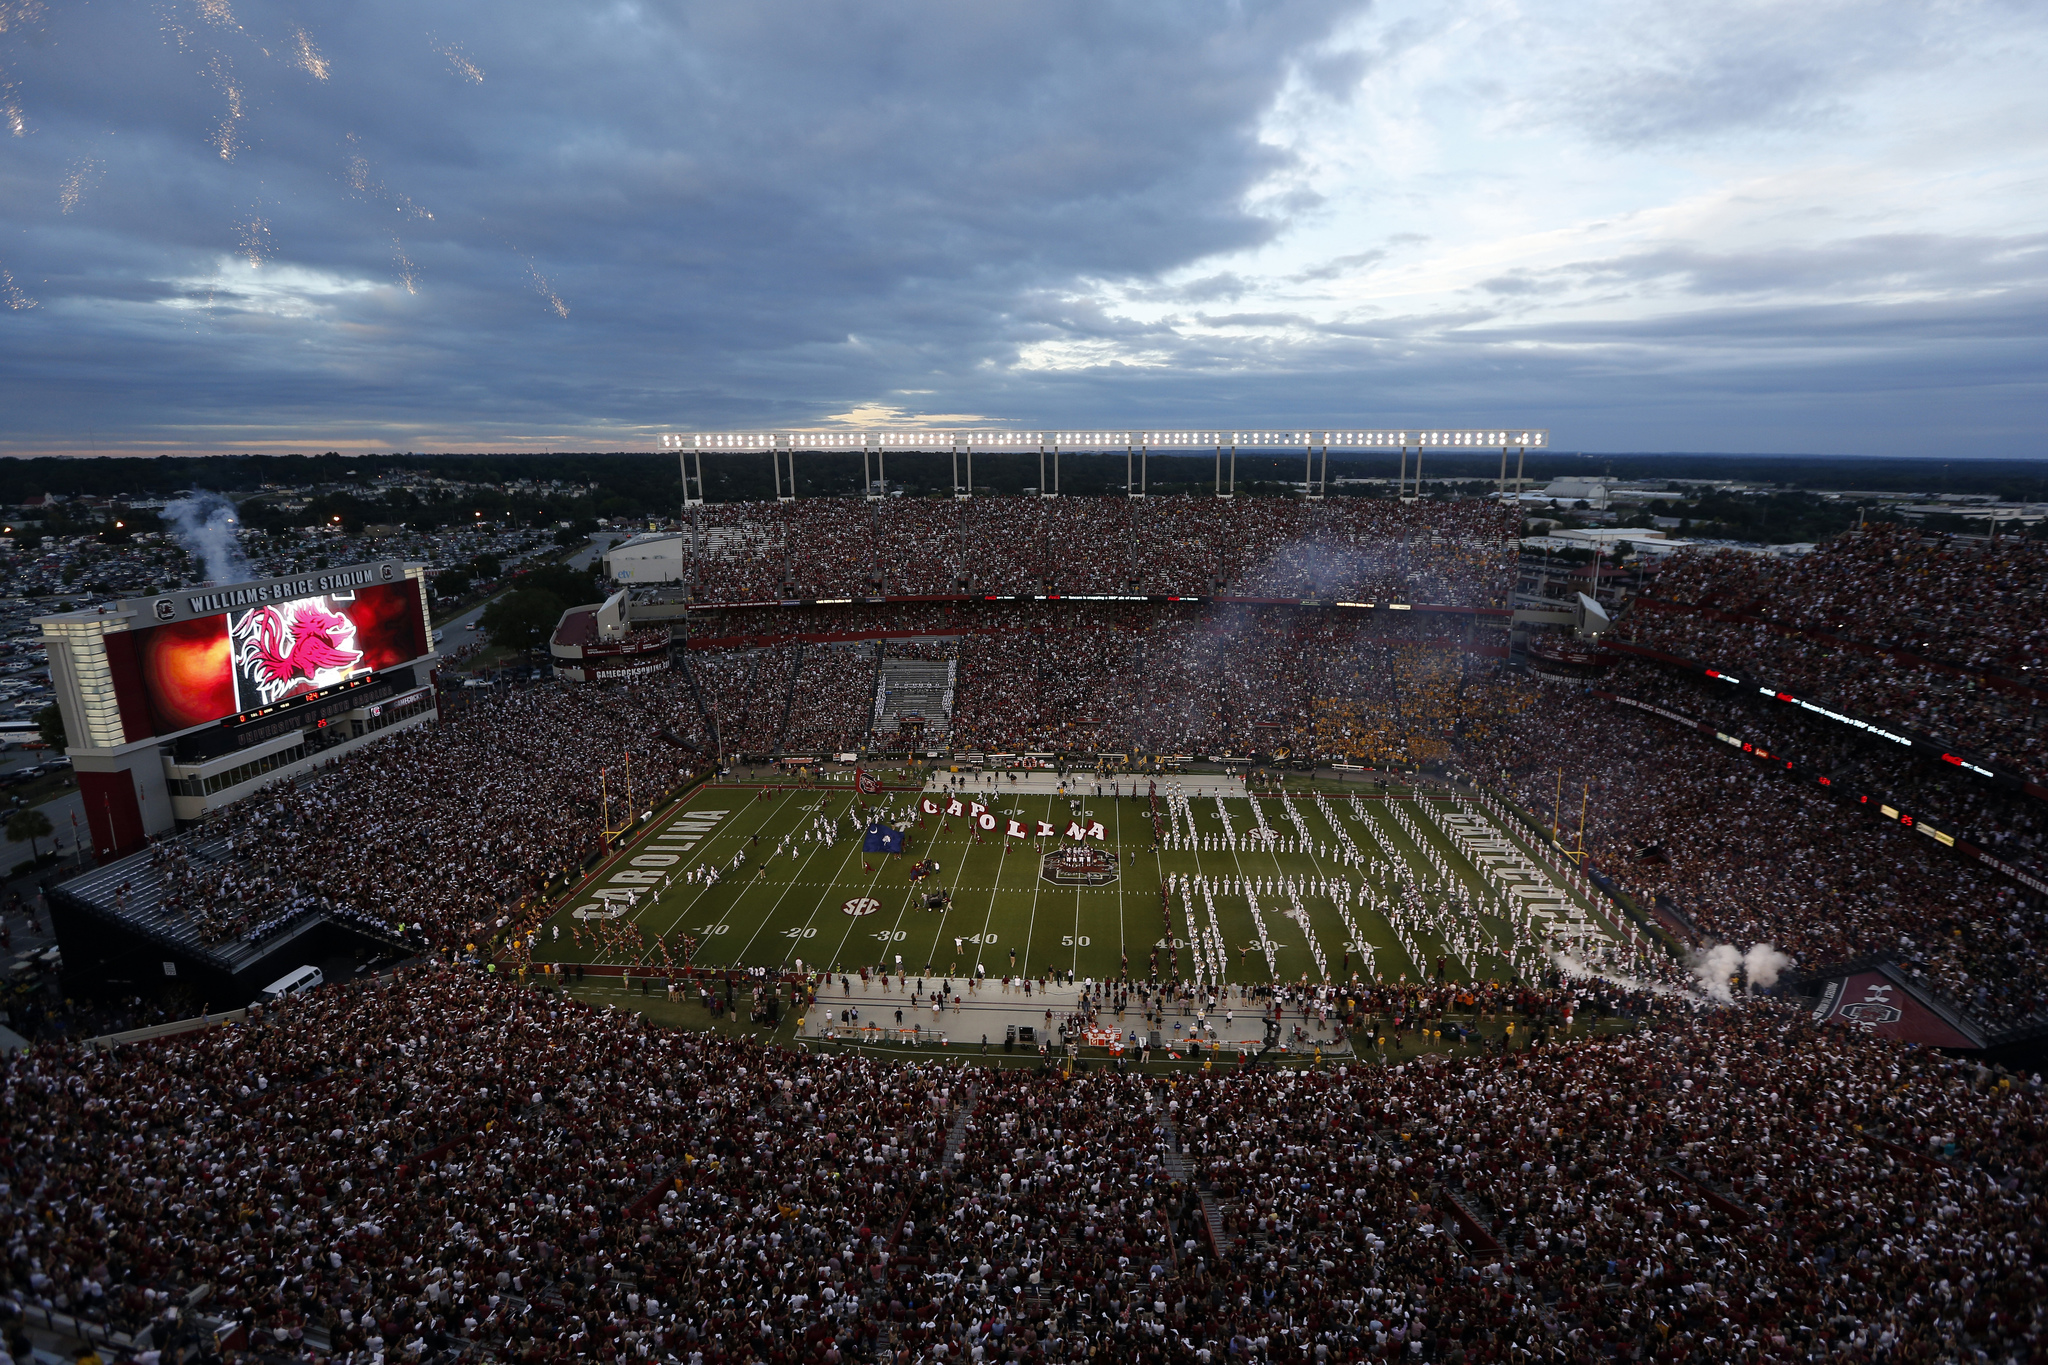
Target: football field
1255,889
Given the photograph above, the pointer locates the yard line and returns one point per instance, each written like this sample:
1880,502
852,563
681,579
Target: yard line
1031,928
854,922
769,914
699,854
741,885
1116,831
995,890
830,886
939,932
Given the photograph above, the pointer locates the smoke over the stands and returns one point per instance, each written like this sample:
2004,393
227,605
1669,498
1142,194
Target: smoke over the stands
204,523
1717,966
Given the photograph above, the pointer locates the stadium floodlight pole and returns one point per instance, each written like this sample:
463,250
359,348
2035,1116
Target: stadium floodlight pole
1144,455
1130,487
1501,485
1323,489
1521,455
1401,487
1219,464
1041,466
1418,473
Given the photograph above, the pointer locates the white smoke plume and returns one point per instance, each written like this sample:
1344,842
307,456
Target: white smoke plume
204,524
1580,969
1763,965
1714,967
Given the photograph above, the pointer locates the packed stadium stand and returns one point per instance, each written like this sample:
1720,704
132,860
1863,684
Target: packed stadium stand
1450,552
448,1163
445,1164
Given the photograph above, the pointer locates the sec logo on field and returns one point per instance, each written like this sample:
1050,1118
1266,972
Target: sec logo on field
861,905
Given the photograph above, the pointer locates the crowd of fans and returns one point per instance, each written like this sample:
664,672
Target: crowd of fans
447,830
1992,815
1945,638
1378,687
449,1165
1455,552
1745,855
835,687
746,693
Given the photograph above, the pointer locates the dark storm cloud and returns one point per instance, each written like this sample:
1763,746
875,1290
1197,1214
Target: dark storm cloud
485,226
1962,374
631,213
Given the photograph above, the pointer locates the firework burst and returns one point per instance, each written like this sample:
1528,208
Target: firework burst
15,14
458,62
225,139
253,244
408,273
11,295
547,291
306,57
85,173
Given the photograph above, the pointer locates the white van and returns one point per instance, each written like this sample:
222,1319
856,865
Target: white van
304,979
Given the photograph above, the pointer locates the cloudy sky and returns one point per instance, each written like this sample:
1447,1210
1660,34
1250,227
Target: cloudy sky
233,225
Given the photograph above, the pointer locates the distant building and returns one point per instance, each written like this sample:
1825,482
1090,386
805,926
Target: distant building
651,558
1593,491
1643,540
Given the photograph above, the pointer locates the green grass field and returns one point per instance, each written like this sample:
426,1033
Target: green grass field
786,902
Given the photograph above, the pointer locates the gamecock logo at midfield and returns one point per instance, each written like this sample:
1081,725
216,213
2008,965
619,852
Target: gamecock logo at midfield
294,647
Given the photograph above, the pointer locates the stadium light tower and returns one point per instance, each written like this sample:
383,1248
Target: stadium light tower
1136,445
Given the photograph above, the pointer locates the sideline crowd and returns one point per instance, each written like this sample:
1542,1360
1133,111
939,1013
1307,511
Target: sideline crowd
448,1163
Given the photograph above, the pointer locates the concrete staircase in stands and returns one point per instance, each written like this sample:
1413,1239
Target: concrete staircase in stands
915,687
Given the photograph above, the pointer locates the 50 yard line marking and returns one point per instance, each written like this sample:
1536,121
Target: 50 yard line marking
1031,927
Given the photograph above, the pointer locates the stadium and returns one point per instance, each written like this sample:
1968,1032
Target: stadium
988,927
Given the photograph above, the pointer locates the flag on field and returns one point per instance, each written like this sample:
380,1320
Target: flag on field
882,838
865,784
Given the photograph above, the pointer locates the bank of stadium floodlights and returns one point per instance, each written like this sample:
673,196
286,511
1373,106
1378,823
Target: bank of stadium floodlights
782,448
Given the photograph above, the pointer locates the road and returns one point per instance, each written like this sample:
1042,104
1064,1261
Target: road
63,811
457,628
